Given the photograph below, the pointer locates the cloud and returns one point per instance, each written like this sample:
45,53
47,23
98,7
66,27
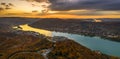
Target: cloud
88,12
43,4
41,0
37,0
34,11
45,11
62,5
6,6
3,3
1,9
85,4
10,4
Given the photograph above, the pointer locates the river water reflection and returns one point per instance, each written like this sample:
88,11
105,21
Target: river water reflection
93,43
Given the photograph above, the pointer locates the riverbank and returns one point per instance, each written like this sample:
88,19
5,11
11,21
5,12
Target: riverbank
108,30
13,43
27,44
69,49
93,43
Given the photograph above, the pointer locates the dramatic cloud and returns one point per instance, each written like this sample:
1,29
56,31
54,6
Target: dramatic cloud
63,7
1,9
44,4
37,0
3,3
85,4
6,6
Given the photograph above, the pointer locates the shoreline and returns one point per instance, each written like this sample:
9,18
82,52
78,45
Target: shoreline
91,29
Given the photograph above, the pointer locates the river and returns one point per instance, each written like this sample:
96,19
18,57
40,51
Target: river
94,43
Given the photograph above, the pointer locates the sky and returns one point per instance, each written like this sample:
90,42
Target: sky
60,8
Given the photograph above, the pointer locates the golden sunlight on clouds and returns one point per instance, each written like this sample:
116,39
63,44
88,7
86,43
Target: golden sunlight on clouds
87,12
42,9
27,6
73,16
